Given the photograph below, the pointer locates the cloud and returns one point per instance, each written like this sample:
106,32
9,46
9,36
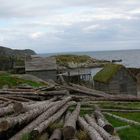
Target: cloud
60,25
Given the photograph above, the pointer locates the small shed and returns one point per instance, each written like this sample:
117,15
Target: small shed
115,79
42,67
77,75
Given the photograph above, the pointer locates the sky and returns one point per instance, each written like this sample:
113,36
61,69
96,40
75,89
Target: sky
49,26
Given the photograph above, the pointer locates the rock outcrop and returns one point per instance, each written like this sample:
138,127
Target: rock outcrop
4,51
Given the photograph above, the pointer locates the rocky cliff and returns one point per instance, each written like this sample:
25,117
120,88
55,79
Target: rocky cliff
10,52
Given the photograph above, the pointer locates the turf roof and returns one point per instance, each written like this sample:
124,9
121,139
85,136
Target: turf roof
106,74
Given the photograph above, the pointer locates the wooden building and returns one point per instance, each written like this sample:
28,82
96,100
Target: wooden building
42,67
77,75
115,79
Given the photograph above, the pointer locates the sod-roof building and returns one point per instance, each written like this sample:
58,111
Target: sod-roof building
115,79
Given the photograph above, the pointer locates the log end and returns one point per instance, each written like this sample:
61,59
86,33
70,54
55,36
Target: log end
17,107
4,125
68,132
34,134
109,128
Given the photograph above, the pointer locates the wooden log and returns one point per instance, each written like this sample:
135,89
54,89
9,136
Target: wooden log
5,104
40,119
24,96
10,122
100,130
59,92
102,122
62,81
70,124
131,122
93,134
44,136
22,99
90,91
117,98
19,90
84,92
6,110
68,113
122,127
3,98
22,107
56,135
39,129
46,88
121,110
15,92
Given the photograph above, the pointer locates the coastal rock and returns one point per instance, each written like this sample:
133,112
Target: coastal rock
4,51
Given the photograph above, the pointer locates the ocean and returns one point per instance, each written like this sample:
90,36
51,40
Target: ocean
130,58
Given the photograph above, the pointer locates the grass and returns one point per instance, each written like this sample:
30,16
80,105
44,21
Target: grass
65,59
7,79
26,136
132,133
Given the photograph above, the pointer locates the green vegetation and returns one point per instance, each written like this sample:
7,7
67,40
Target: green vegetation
7,79
26,136
63,60
131,133
107,72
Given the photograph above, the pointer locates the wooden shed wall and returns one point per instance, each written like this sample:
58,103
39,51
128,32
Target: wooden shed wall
101,86
45,75
121,83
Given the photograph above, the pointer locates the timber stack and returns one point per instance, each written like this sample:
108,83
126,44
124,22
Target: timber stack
54,113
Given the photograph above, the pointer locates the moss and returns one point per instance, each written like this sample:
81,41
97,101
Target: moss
65,59
82,135
26,136
107,73
7,79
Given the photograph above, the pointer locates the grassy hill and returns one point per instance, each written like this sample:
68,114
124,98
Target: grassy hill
11,81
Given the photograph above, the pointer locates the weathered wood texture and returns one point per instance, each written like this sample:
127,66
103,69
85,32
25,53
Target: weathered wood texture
39,129
121,83
23,118
56,135
102,122
93,134
40,119
70,124
99,129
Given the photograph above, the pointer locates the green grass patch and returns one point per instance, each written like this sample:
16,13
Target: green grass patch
7,79
132,133
131,116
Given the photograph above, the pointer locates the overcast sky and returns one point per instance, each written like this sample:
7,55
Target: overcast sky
70,25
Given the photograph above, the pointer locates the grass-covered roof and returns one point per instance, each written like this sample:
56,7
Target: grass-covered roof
106,74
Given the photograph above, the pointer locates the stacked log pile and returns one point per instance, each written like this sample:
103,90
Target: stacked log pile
29,113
